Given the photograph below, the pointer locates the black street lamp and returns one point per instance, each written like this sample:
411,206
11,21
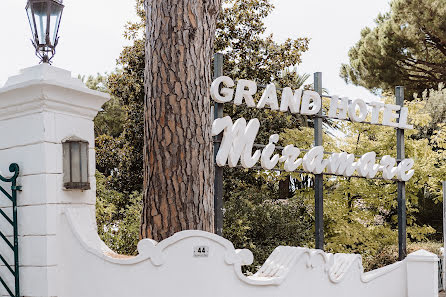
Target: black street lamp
44,18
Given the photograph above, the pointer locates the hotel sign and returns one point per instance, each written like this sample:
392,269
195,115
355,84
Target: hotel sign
239,136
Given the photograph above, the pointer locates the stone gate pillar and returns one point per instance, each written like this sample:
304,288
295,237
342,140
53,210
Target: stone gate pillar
39,109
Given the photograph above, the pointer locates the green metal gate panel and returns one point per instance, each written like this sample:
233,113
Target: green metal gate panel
440,274
10,192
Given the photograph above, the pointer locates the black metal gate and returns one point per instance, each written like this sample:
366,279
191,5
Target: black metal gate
440,274
9,191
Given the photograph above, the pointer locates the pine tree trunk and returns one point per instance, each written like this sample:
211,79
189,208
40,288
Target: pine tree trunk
178,158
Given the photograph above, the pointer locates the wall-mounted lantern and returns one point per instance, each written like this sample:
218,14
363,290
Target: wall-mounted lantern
75,164
44,18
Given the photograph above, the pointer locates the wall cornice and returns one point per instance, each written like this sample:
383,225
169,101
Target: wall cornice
46,88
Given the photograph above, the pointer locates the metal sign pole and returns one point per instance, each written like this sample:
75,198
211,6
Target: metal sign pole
218,171
400,154
318,178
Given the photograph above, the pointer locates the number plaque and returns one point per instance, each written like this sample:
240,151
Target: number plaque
201,251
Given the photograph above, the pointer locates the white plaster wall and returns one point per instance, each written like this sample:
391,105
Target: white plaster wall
169,268
61,254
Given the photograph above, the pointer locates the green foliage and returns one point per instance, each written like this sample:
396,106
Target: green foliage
407,47
248,54
110,120
360,215
436,106
118,217
119,143
255,221
119,156
389,254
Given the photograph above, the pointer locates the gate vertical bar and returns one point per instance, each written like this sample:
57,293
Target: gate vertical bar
218,177
318,178
16,240
444,235
400,154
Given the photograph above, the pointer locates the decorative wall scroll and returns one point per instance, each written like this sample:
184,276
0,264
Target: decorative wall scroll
239,136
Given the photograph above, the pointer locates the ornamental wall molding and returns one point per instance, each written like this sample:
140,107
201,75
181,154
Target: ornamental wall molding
276,269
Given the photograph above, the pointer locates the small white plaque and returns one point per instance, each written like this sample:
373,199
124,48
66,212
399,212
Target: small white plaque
201,251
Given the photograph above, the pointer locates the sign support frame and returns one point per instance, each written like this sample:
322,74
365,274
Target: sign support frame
400,155
218,171
318,178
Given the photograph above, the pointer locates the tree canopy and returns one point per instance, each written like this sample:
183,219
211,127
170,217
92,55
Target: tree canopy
407,47
360,215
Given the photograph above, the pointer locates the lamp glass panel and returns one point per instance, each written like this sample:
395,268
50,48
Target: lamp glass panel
66,162
84,162
41,17
75,162
31,20
55,15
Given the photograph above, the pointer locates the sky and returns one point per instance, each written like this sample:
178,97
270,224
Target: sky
91,36
334,26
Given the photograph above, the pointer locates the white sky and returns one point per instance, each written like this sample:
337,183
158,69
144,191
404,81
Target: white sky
334,26
91,35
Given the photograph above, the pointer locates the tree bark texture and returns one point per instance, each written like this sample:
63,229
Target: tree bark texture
178,157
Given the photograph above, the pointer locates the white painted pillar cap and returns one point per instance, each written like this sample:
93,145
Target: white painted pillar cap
47,88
